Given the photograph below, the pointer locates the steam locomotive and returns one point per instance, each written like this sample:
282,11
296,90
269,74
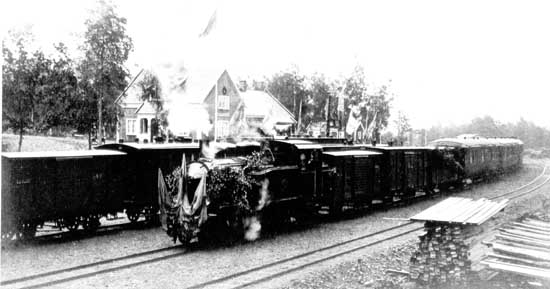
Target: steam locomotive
77,188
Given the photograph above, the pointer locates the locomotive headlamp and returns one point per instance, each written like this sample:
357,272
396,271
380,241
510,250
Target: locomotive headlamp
196,171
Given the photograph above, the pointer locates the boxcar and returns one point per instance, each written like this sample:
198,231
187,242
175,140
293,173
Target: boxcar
144,161
72,187
355,179
405,171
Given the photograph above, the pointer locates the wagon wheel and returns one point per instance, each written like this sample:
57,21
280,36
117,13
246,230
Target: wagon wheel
91,223
8,236
133,215
150,217
71,223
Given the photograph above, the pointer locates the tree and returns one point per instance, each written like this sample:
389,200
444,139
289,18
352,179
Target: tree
403,127
58,89
377,112
151,92
18,84
323,104
373,103
291,91
106,49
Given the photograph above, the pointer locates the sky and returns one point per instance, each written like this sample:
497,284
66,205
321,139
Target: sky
448,62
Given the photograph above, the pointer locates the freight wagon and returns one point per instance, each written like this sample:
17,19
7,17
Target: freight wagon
71,188
143,163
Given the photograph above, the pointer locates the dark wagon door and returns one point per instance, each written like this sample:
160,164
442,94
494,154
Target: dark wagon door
74,187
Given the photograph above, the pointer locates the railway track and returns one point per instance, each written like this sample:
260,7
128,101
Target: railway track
267,272
60,276
252,276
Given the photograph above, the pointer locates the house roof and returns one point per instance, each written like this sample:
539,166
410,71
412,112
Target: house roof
130,87
262,103
145,108
198,83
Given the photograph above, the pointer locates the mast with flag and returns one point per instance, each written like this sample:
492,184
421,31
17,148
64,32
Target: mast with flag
340,108
211,24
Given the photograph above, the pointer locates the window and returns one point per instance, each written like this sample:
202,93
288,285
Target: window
130,126
143,125
223,101
223,128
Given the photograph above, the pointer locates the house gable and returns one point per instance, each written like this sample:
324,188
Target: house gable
228,94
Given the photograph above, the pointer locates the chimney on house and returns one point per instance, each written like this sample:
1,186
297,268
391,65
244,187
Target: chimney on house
243,85
259,84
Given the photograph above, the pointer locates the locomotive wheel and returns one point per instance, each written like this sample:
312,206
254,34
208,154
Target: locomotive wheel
91,223
71,223
28,231
133,215
185,233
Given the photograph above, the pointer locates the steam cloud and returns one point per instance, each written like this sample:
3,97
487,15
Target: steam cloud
186,113
252,225
252,228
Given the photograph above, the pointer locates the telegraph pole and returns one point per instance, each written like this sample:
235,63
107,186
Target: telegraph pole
328,115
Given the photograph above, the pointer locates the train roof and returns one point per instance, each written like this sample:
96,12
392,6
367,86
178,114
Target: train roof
61,154
301,144
321,140
248,143
396,148
222,145
352,153
138,146
476,142
336,145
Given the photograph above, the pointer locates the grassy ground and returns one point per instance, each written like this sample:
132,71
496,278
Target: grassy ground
42,143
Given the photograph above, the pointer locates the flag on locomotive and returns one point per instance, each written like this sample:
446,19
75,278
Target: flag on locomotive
179,217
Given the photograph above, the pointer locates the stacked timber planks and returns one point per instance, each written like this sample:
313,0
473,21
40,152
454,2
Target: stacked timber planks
522,248
443,252
442,255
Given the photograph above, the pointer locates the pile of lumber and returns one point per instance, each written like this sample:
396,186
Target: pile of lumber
442,254
522,248
452,229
